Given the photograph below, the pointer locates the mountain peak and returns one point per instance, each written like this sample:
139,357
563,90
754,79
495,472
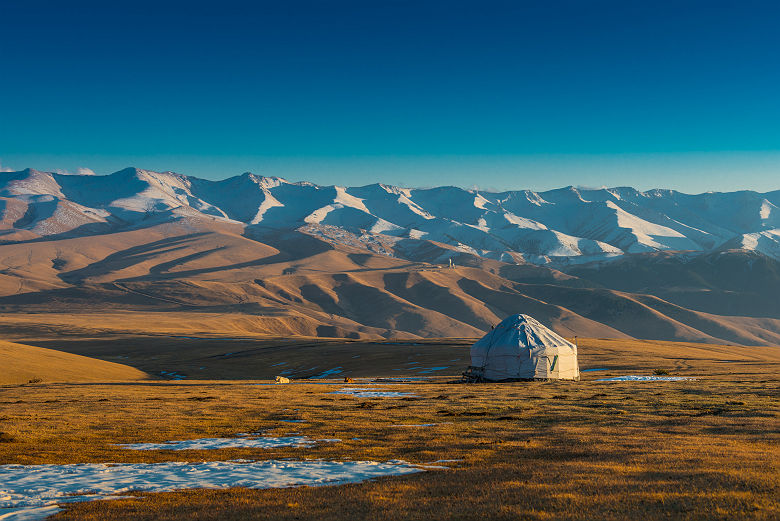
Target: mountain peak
129,171
264,181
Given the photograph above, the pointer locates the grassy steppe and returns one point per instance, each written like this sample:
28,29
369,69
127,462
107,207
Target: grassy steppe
260,358
701,449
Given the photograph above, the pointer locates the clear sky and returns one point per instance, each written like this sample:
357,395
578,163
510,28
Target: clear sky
674,94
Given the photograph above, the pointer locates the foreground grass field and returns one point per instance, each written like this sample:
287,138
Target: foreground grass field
700,449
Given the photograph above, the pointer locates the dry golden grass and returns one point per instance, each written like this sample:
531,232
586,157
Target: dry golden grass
702,449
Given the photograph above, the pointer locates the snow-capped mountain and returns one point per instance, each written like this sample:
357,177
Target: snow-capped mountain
567,225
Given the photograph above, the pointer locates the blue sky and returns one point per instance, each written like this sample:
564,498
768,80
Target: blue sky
497,95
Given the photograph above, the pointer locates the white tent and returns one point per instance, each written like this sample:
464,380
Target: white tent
522,348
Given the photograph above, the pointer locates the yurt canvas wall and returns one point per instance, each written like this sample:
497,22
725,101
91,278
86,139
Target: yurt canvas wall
520,347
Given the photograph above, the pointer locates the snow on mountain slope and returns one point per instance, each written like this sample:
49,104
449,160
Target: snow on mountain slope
562,226
456,204
393,204
57,216
766,242
28,183
132,193
254,201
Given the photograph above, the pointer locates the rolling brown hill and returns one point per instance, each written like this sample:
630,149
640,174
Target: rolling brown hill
22,364
206,277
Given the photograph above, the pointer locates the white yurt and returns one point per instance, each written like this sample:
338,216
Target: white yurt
521,348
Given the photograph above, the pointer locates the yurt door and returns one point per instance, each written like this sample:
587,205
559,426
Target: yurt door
542,367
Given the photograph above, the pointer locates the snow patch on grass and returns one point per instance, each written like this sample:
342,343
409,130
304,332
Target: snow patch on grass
638,378
245,441
31,492
370,393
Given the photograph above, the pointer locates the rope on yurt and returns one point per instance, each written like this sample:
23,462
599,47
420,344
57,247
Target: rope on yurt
490,346
487,352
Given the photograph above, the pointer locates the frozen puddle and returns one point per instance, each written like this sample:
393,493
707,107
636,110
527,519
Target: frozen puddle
329,372
245,441
401,379
432,369
370,393
31,492
637,378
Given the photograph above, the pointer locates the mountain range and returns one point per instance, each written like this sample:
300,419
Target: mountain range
286,257
563,226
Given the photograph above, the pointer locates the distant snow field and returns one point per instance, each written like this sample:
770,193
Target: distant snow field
31,492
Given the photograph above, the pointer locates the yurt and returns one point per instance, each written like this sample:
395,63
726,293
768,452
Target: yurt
521,348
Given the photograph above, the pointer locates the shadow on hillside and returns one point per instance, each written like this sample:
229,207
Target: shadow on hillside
129,257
